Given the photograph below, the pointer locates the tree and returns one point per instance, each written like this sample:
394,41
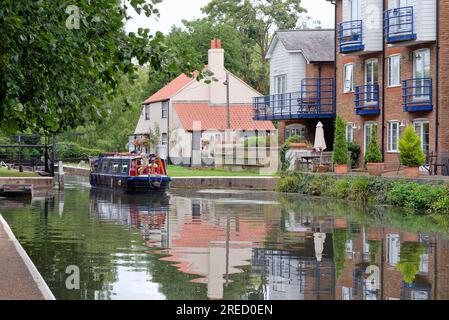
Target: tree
111,133
256,20
59,63
410,152
340,143
373,153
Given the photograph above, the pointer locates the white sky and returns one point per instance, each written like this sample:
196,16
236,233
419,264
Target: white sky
173,11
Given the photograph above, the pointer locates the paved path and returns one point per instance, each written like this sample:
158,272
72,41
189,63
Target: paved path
19,279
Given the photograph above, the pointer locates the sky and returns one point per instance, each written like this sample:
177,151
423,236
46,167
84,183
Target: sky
174,11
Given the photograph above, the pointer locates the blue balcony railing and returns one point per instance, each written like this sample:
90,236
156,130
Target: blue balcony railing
399,25
367,100
314,100
350,36
417,94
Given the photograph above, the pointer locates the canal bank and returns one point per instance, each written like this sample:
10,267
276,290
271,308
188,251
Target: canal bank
19,278
256,183
39,186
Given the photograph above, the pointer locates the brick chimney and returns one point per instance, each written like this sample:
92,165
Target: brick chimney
216,57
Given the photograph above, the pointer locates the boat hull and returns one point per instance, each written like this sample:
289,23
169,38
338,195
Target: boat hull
142,184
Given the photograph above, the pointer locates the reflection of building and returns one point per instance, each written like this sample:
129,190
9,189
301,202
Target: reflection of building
211,244
381,247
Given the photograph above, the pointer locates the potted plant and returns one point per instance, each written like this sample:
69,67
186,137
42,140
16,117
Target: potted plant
410,152
373,156
341,157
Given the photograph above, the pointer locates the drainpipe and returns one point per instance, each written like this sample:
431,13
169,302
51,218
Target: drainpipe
437,85
383,82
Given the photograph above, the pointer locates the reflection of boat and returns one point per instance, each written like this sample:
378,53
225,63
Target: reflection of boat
130,173
146,212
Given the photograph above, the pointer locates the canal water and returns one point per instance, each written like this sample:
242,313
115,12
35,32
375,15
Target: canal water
215,244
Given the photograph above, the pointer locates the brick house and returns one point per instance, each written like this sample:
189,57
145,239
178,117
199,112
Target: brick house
301,83
392,71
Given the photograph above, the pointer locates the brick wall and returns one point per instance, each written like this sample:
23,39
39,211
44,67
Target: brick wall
393,96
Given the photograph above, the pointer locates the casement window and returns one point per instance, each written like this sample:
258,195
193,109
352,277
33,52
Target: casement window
164,139
350,132
165,109
348,85
394,71
367,133
393,134
147,112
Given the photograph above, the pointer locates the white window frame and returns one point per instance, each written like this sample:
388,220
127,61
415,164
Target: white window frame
350,132
147,112
390,145
365,140
347,89
280,87
164,109
397,71
422,122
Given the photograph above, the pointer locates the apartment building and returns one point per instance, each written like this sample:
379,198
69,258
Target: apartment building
392,70
301,84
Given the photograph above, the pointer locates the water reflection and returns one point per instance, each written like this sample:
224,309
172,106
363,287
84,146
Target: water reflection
229,245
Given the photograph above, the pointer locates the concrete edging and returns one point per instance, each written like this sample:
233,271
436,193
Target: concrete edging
40,282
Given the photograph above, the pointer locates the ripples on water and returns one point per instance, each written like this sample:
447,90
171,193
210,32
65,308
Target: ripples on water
216,244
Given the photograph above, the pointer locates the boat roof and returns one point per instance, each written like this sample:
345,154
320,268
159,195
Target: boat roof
121,157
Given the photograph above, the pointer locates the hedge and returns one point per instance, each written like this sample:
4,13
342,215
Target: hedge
427,199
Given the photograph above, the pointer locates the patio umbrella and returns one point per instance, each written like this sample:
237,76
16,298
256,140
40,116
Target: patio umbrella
319,239
320,143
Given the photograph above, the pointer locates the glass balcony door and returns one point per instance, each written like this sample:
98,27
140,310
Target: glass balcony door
421,74
422,129
280,90
402,20
371,79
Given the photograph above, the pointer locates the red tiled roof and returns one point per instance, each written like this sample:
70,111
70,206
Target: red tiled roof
214,117
170,89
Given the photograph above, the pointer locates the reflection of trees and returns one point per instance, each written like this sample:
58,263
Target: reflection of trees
410,258
55,242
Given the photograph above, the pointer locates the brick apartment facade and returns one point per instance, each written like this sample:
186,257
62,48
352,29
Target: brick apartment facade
387,42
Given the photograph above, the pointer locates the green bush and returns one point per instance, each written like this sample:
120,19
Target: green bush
66,150
340,143
284,148
410,152
373,153
415,196
427,199
359,189
354,150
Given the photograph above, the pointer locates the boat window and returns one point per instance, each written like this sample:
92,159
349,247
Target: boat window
115,167
125,167
105,166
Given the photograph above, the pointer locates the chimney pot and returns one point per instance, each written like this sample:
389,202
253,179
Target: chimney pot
212,44
218,43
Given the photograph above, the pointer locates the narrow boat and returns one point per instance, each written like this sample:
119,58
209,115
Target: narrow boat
130,173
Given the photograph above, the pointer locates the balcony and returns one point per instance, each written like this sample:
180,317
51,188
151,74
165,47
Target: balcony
367,100
399,25
314,100
350,36
417,94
